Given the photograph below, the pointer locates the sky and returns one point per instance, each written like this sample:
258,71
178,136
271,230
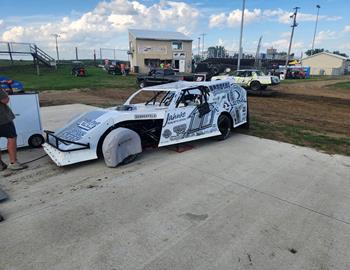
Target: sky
94,24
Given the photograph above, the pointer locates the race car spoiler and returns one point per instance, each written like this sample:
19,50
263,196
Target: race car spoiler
57,140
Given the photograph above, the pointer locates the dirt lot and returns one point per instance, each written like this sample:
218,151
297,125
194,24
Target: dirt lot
312,114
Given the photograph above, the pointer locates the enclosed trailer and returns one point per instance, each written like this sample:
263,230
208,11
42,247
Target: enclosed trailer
26,108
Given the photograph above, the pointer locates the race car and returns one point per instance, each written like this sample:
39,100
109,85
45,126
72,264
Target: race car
162,115
252,79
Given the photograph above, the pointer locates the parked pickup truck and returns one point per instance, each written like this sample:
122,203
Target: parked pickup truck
161,76
252,79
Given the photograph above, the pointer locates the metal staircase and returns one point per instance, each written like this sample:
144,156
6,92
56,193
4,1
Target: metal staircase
42,57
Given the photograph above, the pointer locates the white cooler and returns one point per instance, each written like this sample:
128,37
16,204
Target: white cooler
26,108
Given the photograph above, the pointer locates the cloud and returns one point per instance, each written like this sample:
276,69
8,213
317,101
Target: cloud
233,18
325,35
283,16
107,22
346,28
283,44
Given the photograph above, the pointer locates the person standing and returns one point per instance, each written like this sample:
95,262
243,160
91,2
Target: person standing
8,131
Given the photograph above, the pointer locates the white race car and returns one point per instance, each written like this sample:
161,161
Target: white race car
163,115
249,78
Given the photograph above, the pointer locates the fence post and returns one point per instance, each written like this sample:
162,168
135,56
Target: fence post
36,61
10,53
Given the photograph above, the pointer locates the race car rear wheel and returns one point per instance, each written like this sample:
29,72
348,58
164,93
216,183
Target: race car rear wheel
225,126
255,86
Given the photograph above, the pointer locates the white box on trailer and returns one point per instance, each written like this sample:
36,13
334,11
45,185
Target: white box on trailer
26,108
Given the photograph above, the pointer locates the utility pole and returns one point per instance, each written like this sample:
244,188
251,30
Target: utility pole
203,35
76,54
240,38
56,37
199,47
313,40
294,16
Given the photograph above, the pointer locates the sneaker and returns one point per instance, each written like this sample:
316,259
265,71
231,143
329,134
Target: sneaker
3,166
16,166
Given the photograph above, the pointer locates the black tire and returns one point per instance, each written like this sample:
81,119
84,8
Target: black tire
129,159
142,84
255,86
225,127
36,140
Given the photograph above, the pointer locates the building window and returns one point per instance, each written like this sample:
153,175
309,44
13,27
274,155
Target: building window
176,45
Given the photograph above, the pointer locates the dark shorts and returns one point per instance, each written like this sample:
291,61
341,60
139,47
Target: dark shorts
8,130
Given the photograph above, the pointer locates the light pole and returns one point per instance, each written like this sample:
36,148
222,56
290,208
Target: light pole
57,36
313,40
199,47
240,38
203,35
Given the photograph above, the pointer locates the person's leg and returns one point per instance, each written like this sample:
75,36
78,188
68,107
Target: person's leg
12,149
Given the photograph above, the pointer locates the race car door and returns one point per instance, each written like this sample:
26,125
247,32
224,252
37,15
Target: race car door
189,117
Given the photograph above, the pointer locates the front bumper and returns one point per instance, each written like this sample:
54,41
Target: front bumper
63,156
68,158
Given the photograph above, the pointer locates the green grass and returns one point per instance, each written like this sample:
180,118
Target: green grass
61,79
300,136
342,85
312,79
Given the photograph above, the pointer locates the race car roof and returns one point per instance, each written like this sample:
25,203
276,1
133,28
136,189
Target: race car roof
180,85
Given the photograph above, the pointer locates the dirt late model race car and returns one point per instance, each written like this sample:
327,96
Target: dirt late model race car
161,115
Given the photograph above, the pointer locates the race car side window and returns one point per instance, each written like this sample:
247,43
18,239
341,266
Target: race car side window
192,97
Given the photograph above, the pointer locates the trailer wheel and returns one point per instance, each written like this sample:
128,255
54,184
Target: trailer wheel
225,126
36,140
255,86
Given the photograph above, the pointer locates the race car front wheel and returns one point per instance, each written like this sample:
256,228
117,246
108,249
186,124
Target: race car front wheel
225,126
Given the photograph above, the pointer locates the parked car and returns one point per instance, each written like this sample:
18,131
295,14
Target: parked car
252,79
162,115
157,76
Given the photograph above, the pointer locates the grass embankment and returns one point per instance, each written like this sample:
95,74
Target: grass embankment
299,135
61,79
342,85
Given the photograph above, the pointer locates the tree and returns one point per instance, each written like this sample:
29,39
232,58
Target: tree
341,54
309,52
216,52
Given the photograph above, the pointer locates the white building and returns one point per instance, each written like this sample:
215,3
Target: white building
325,63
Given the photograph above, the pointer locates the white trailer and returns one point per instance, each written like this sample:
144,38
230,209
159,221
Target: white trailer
26,108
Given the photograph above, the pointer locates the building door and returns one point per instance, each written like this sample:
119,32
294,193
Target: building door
182,65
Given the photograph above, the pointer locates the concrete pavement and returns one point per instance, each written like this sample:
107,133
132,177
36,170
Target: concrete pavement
243,203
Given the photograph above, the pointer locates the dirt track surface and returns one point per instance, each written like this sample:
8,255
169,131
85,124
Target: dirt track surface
315,105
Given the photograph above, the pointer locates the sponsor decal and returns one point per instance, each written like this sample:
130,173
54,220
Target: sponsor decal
145,116
175,117
167,133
